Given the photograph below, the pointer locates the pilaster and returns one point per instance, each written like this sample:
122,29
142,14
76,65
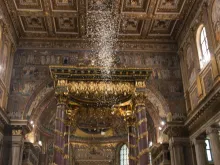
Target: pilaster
15,139
200,148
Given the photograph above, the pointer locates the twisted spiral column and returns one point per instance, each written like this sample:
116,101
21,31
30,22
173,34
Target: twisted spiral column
132,144
59,130
141,119
70,122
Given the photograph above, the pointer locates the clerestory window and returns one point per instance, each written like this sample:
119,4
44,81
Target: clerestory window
203,47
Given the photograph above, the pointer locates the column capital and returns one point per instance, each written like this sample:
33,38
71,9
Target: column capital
198,141
61,98
211,130
175,129
140,98
20,127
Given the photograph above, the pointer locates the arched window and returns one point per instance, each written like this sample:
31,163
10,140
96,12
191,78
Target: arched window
203,47
124,155
208,150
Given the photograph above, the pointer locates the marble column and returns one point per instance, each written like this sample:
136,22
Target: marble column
200,148
176,152
213,134
132,143
67,145
16,147
141,119
59,130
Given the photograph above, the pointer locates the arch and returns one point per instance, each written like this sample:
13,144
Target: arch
159,102
202,46
38,96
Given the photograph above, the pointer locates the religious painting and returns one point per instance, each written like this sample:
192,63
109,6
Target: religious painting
216,18
4,61
194,98
190,65
1,96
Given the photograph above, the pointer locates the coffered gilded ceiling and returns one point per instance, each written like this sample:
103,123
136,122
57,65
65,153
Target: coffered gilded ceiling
67,19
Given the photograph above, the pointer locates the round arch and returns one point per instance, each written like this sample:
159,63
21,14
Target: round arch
38,96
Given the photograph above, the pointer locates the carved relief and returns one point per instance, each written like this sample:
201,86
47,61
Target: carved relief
16,132
99,154
70,5
190,65
162,27
131,26
28,4
216,18
33,23
66,25
135,5
170,5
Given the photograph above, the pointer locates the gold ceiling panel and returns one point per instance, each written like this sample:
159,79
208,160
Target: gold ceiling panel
138,19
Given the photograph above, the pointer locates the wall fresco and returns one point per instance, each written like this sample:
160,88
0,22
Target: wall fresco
190,65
